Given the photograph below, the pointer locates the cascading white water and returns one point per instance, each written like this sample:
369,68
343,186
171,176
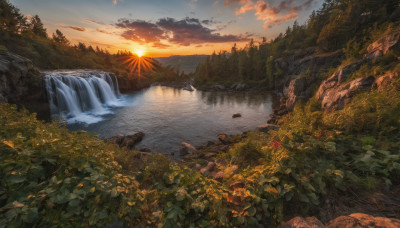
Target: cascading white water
81,96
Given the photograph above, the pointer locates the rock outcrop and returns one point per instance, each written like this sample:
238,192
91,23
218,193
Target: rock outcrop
338,96
21,83
301,74
334,93
363,220
351,221
300,222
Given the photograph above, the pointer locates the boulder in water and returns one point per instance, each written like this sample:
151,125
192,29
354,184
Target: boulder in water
236,115
186,148
128,141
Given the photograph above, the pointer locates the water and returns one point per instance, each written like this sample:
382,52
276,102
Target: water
169,116
82,96
90,100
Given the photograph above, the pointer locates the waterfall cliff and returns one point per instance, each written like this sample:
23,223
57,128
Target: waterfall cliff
81,95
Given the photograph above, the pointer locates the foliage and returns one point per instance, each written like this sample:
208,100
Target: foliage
347,25
51,177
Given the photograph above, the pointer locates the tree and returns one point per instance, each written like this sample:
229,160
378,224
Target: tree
37,27
60,39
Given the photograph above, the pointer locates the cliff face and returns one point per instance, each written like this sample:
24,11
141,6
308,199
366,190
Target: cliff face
336,91
21,83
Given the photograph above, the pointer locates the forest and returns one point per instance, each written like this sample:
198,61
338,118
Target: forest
316,163
339,25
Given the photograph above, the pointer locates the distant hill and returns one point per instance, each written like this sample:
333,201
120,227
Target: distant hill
186,63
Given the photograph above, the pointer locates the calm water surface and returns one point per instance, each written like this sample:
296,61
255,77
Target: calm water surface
169,116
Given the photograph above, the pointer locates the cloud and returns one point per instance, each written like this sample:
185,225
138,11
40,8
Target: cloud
80,29
161,45
232,2
141,31
271,15
94,22
115,2
224,26
103,31
210,21
181,32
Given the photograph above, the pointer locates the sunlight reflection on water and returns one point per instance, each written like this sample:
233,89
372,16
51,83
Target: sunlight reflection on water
169,116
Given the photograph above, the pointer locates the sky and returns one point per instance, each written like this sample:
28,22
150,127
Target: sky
168,27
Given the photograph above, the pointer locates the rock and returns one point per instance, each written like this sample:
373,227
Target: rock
209,168
218,87
198,166
128,141
188,87
336,98
223,138
21,83
223,148
363,220
186,148
210,143
338,77
239,86
385,80
145,150
267,127
300,222
219,175
236,115
382,46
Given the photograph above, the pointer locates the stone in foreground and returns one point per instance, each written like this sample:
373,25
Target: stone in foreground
186,148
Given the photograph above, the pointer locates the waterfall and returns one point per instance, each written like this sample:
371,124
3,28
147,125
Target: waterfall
81,96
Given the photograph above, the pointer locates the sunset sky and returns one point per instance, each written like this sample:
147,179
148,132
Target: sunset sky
168,27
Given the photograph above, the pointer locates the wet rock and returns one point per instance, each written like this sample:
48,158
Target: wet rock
239,87
300,222
218,87
236,115
223,138
363,220
145,150
128,141
209,143
186,148
267,127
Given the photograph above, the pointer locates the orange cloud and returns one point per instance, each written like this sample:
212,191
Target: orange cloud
269,14
80,29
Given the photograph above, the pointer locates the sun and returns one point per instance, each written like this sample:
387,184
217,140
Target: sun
139,53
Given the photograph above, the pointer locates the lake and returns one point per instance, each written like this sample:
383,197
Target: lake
169,116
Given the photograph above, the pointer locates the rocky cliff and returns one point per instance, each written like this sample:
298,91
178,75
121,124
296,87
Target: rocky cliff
336,91
21,83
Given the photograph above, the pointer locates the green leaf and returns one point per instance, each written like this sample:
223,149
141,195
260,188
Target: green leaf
303,198
15,179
